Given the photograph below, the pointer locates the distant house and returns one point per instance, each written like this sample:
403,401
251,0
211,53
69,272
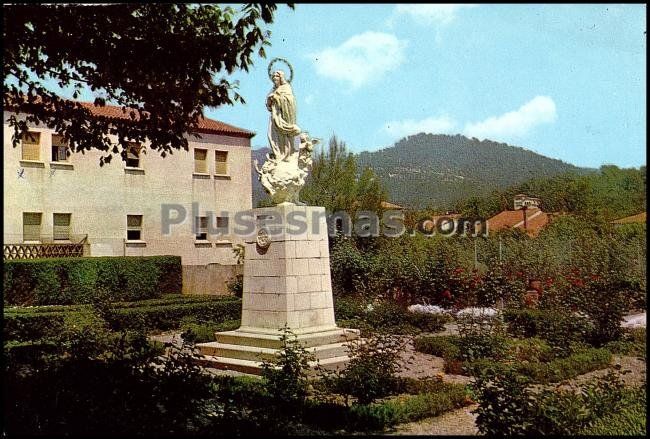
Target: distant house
527,216
639,218
523,200
531,220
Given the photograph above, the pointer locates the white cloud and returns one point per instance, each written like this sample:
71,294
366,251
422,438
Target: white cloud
361,58
433,125
431,14
540,110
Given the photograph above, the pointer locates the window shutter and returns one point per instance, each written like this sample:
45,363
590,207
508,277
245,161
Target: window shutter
31,226
31,146
61,226
200,162
221,166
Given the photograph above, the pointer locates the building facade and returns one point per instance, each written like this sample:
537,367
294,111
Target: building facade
54,196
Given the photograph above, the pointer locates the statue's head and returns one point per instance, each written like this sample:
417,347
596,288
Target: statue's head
278,78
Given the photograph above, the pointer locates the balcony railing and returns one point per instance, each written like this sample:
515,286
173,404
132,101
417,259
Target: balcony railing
45,249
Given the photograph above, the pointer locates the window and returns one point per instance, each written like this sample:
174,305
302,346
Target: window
221,165
59,149
222,222
31,226
200,161
61,223
133,155
134,227
202,228
31,144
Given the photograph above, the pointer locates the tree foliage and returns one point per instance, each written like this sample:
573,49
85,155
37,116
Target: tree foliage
335,183
608,194
156,61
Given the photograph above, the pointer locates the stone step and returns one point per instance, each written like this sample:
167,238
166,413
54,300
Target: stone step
272,341
255,367
254,353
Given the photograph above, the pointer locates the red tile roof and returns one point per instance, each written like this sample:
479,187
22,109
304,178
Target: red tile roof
205,125
390,206
536,220
638,218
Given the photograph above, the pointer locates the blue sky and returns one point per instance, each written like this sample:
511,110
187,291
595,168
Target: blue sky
566,81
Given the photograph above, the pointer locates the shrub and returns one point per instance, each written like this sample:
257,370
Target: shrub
554,371
25,327
504,404
371,371
559,328
31,324
569,367
202,332
236,285
285,378
507,406
428,322
349,266
629,420
76,280
533,350
445,346
441,398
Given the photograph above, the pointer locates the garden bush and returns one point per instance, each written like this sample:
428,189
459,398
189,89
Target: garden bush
508,406
371,371
202,332
387,316
557,370
559,328
629,420
445,346
30,324
441,398
62,281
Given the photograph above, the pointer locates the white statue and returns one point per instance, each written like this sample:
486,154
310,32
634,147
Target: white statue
284,172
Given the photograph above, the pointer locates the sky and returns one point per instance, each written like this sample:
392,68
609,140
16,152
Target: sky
565,81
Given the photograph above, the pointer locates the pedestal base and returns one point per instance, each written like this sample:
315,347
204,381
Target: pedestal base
286,284
244,351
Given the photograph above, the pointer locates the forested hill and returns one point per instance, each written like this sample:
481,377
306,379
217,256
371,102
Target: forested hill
433,170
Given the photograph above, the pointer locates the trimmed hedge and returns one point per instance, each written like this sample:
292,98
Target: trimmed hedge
356,312
408,408
64,281
29,324
552,372
445,346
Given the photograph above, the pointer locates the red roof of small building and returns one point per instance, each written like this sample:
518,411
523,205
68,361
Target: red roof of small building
390,206
638,218
205,125
535,220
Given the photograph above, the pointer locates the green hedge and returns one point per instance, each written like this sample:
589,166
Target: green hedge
29,324
445,346
377,416
552,372
63,281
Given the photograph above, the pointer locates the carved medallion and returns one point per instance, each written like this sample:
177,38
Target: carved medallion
263,239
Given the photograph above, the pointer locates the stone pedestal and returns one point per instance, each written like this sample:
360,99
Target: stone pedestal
286,283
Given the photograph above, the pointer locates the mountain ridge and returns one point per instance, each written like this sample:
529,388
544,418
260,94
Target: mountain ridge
436,170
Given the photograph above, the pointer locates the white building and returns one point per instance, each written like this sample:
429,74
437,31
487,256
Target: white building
54,196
